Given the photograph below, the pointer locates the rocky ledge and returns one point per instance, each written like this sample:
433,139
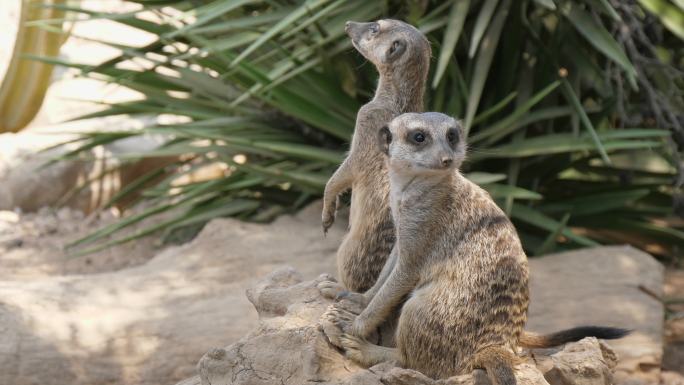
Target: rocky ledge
289,347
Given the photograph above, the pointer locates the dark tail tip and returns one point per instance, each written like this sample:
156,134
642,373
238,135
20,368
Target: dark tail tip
603,332
533,340
576,334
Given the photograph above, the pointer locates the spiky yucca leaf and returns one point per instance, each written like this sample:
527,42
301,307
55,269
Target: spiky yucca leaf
271,90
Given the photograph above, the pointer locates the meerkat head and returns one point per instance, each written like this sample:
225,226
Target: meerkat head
390,43
428,142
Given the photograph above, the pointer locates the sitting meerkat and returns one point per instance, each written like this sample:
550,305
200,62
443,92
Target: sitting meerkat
458,268
401,55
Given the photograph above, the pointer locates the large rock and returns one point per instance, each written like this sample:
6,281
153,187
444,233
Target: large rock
25,170
148,325
288,348
612,286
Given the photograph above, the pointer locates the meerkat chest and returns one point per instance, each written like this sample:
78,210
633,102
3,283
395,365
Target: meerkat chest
413,208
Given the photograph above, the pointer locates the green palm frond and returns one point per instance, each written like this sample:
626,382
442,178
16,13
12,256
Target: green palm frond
270,91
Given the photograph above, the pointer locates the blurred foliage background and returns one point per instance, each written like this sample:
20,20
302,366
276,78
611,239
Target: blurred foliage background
575,109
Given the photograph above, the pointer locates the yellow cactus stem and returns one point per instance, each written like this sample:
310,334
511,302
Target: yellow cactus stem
26,81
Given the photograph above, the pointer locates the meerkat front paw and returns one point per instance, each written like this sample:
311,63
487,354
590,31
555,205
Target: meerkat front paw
352,302
331,289
352,346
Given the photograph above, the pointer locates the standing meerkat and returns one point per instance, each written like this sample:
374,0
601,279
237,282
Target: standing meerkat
459,266
401,55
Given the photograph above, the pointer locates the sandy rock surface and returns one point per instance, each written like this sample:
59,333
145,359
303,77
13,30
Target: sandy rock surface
604,286
288,348
149,324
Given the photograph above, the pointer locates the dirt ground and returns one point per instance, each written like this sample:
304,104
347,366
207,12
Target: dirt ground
34,244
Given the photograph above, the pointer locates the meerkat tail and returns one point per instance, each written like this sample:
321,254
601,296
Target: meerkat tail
498,363
534,340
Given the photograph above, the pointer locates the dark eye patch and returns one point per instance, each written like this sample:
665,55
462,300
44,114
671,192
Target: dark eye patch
453,136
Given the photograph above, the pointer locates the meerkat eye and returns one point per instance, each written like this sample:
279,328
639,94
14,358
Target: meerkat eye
418,137
374,28
452,136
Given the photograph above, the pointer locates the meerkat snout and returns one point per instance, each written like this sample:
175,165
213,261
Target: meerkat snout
357,31
416,142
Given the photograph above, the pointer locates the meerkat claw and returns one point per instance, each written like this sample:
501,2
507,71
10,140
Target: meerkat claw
352,302
342,295
327,224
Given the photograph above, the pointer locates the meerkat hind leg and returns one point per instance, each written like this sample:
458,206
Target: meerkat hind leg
498,362
365,353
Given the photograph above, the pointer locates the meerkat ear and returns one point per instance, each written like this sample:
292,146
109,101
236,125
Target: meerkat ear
463,136
461,128
395,50
384,139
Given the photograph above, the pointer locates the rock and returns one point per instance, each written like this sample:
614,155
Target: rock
149,324
671,378
288,347
25,172
603,286
584,362
285,347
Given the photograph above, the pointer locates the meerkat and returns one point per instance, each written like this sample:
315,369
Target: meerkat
458,267
401,55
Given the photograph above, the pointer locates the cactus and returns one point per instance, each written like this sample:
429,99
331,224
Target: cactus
26,81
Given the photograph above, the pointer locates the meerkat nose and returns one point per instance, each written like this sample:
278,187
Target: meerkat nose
446,161
347,25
